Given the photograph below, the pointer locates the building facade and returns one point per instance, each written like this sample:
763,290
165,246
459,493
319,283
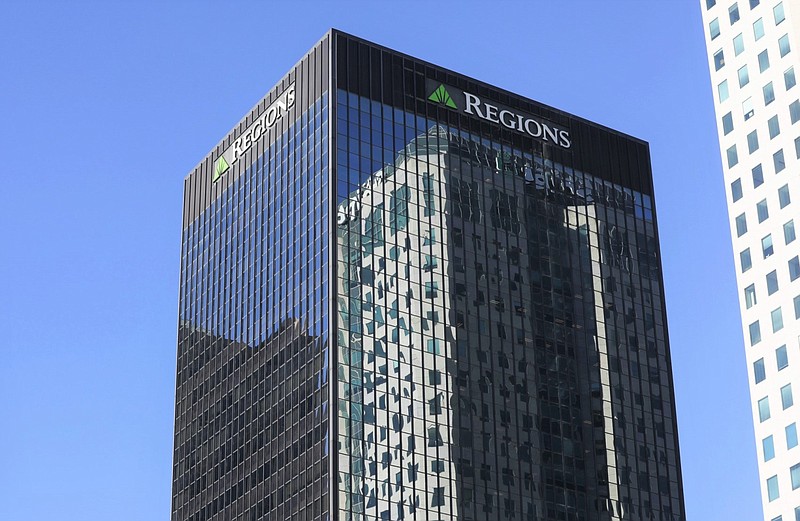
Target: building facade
753,59
407,294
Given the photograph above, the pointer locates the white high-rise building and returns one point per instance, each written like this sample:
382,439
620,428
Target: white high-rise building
754,59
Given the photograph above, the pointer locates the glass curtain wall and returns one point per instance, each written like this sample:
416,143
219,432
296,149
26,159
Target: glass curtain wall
501,334
252,386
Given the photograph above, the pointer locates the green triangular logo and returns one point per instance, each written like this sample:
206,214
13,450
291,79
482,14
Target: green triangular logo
440,95
220,167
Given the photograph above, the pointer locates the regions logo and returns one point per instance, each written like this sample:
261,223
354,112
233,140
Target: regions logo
220,167
441,96
263,124
503,115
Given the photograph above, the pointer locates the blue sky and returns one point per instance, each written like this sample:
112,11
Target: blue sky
105,108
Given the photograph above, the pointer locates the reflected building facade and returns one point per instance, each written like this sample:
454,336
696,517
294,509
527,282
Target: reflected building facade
407,294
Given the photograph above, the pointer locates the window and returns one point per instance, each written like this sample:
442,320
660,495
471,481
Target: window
727,123
741,225
791,436
772,488
713,28
794,472
758,176
373,235
722,90
783,196
744,76
431,263
719,60
437,498
797,307
766,246
431,289
754,3
774,127
763,61
763,409
755,333
782,358
762,210
788,78
783,45
759,371
769,93
752,141
745,260
750,296
777,320
769,448
794,268
786,397
710,3
788,232
434,346
772,282
797,147
428,194
794,111
736,190
733,13
733,157
747,109
434,437
777,11
778,161
738,45
398,205
758,29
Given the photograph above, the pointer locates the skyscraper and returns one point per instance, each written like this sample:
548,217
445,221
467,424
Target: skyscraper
753,58
408,294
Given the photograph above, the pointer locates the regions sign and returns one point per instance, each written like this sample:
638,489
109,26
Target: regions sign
511,119
257,129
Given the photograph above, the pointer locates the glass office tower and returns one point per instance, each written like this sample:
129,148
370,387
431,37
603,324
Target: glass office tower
407,294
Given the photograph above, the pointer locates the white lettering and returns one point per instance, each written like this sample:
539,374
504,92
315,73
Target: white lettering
491,113
550,133
564,139
472,103
272,116
514,121
506,121
237,149
534,133
260,126
354,209
257,130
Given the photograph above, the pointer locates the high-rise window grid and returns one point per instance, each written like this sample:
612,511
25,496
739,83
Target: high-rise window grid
459,277
758,52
